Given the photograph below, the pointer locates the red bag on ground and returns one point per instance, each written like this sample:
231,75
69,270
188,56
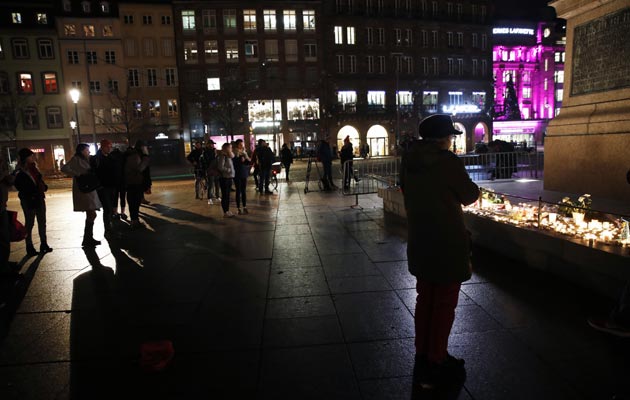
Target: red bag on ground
17,231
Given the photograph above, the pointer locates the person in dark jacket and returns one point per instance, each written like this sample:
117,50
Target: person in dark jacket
108,171
242,164
346,155
435,184
286,157
265,158
120,194
324,154
31,191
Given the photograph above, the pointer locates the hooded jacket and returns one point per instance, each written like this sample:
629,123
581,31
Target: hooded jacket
435,184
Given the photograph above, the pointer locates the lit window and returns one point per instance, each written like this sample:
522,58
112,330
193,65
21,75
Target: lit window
88,30
190,52
116,115
376,98
269,20
99,116
251,50
50,82
347,100
104,7
559,94
289,19
172,108
559,76
154,108
249,20
338,35
231,50
42,18
16,18
136,109
308,20
188,19
108,31
26,83
211,51
213,84
350,35
527,93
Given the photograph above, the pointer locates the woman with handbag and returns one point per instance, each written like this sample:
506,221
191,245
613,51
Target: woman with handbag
79,169
31,191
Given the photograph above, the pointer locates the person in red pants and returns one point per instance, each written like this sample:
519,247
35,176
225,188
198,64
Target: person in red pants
435,184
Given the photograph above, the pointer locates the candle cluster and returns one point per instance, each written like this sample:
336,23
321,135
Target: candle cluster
546,216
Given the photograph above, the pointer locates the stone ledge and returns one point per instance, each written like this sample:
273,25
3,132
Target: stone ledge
604,272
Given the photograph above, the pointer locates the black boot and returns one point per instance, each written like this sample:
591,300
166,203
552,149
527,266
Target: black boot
88,240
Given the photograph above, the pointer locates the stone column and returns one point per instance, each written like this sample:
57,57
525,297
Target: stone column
587,148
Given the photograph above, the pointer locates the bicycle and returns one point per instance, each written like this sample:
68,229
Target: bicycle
201,183
273,179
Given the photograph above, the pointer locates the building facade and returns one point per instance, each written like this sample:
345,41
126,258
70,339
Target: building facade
250,70
394,63
528,62
33,107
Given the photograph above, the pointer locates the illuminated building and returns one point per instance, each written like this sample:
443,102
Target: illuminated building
531,57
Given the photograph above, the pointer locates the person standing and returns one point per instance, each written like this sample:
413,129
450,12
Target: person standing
209,162
435,184
120,193
324,154
107,170
242,164
286,157
89,202
346,156
31,191
265,158
226,168
136,162
194,159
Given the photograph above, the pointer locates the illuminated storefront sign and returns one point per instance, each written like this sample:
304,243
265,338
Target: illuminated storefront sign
460,108
513,31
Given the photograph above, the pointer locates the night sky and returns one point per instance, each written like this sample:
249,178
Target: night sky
520,9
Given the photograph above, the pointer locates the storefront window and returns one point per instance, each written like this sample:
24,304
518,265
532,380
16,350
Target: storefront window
265,112
303,109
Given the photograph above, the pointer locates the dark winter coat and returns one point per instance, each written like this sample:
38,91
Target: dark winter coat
286,157
265,157
242,164
30,189
135,165
435,184
324,153
346,153
107,169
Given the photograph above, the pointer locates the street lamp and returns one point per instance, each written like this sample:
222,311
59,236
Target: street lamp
75,94
73,126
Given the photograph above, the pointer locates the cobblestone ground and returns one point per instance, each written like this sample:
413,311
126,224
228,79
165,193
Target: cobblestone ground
304,298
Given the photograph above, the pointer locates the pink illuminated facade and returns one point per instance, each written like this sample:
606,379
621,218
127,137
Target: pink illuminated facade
531,57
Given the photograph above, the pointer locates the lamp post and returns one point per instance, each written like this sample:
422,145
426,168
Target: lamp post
75,94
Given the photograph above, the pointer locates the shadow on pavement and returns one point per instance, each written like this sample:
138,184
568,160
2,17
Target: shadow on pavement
158,291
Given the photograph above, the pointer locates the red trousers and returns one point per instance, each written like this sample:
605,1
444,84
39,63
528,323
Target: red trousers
435,313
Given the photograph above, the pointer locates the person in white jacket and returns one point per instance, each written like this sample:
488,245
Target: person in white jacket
226,169
88,202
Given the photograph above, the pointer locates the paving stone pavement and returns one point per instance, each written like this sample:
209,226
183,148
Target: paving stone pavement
304,298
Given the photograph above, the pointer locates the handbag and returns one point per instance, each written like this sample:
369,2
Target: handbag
17,231
88,182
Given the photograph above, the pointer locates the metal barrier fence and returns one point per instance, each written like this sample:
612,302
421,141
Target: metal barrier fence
489,166
366,176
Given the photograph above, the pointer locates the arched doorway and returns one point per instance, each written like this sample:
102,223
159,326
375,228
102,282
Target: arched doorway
459,143
481,133
354,137
378,141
